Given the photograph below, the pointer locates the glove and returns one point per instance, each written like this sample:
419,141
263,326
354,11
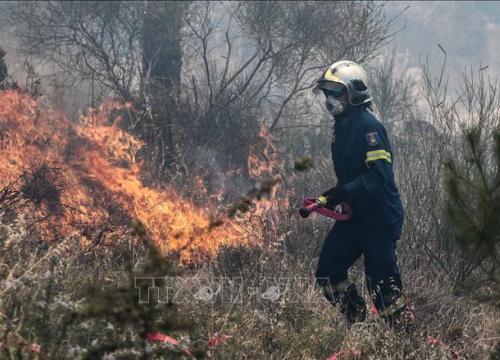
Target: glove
332,197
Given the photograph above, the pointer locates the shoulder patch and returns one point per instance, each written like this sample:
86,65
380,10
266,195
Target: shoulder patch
372,138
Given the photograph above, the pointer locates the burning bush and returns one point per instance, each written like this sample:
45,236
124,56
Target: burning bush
87,160
43,187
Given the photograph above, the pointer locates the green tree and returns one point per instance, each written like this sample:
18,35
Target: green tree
474,210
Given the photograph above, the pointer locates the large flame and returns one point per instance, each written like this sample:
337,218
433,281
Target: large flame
97,161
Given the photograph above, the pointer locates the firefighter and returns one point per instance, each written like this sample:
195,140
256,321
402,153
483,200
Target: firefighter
363,162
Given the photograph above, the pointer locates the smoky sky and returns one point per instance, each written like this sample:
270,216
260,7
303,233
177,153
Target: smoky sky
468,31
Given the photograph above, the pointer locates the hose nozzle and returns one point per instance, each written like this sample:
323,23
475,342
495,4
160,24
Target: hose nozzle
304,212
309,208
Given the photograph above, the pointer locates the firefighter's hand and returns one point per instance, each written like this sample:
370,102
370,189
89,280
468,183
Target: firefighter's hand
333,197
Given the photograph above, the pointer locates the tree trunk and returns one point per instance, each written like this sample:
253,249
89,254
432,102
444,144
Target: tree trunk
162,61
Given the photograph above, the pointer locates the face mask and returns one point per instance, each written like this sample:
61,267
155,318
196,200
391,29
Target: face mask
334,105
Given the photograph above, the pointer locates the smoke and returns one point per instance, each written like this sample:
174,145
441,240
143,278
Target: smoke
63,90
467,30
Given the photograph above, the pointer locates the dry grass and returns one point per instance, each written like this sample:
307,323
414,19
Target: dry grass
41,286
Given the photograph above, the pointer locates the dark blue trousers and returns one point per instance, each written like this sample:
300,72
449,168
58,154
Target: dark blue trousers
346,242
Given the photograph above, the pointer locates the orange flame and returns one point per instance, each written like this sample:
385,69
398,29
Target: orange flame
265,164
98,162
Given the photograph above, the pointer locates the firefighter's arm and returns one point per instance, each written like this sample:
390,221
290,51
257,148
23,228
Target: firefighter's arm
378,159
332,197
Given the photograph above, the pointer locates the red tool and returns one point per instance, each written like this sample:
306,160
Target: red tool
311,205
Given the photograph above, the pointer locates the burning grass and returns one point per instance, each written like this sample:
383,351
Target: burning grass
94,161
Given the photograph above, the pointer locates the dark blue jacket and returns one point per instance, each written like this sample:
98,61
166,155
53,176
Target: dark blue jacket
363,162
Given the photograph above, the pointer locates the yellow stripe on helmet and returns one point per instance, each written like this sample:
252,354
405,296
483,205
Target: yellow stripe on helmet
330,76
378,155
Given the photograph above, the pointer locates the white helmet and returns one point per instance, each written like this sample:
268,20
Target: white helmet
351,75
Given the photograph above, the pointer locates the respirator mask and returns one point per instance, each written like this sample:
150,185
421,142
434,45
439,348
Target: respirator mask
334,105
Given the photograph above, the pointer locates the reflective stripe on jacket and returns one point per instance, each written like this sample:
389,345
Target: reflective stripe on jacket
363,162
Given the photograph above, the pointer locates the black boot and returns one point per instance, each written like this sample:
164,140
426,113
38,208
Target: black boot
391,305
399,316
349,301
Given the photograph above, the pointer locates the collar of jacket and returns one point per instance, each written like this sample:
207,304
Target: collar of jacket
344,118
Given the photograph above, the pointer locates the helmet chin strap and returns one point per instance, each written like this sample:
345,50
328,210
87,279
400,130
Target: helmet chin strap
334,106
